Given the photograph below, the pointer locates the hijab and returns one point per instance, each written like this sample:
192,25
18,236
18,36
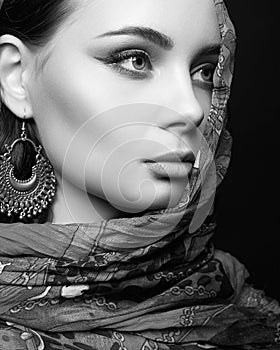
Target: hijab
149,282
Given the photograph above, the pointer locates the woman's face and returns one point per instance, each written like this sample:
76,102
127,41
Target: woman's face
126,81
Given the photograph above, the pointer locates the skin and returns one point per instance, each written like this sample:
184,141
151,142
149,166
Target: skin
97,121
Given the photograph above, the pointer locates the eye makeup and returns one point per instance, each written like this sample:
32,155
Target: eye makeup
203,76
138,60
132,55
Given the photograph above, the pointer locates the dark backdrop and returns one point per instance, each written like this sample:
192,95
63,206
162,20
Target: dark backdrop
248,205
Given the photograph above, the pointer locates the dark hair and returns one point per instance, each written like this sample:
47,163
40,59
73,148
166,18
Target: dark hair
34,22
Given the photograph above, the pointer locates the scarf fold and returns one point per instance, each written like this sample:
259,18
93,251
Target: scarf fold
153,282
167,295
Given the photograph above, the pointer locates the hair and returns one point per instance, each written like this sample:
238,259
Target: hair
34,22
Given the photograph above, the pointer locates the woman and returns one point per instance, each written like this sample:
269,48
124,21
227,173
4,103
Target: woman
112,114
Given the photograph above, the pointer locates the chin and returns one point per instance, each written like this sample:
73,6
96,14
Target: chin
152,201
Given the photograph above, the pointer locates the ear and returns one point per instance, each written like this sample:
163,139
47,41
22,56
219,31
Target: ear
15,64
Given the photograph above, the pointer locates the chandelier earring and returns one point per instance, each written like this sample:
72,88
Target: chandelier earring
26,198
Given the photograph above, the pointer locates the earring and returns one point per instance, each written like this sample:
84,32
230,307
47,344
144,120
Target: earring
26,198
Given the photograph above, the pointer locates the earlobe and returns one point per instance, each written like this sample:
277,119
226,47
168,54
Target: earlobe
14,56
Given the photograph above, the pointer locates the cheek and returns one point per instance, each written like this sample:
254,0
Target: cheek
65,96
73,88
204,98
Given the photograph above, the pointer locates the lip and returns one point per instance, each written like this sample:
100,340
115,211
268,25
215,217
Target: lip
172,164
170,169
175,156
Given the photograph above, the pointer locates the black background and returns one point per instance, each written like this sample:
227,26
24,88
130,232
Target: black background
248,205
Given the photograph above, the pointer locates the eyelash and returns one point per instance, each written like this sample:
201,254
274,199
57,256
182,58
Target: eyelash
116,60
205,83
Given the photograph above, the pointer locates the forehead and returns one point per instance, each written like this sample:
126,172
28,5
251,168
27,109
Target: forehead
185,21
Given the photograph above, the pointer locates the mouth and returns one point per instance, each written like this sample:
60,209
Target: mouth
173,157
171,165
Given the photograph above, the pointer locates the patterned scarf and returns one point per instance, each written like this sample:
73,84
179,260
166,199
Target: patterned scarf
153,282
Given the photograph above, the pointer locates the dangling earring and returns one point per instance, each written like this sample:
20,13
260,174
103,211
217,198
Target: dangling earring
26,198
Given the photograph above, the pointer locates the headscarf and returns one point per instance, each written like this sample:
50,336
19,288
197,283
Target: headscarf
141,283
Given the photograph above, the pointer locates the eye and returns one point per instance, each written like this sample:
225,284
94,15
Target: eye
135,63
138,61
204,74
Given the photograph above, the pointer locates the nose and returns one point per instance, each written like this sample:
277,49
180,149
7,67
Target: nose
178,95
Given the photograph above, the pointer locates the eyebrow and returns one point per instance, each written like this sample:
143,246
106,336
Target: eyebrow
146,33
208,50
162,40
